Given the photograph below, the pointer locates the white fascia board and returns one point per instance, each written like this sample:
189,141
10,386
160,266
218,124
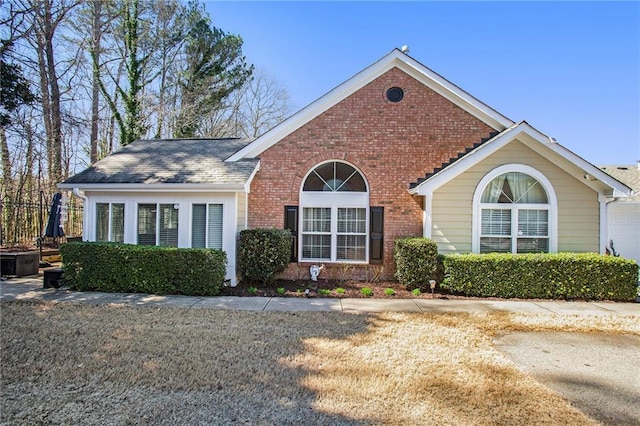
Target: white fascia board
311,111
247,186
619,188
394,59
476,156
455,94
155,187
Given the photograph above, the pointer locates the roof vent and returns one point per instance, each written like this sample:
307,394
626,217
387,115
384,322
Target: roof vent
405,49
395,94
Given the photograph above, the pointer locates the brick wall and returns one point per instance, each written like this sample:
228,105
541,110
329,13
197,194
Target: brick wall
393,144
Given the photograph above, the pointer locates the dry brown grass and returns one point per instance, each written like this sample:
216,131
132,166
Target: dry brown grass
64,363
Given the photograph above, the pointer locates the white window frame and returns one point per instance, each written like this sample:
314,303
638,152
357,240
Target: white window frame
157,220
551,207
207,217
110,234
334,201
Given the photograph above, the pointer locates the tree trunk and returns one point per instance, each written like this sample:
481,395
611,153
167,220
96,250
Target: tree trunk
7,178
95,89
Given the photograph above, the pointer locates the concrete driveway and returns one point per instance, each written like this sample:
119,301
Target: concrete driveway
598,373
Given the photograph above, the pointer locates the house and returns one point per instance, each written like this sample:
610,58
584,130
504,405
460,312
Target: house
395,151
623,213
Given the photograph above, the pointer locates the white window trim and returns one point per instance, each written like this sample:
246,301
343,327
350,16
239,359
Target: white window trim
333,200
110,219
521,168
157,227
334,234
190,222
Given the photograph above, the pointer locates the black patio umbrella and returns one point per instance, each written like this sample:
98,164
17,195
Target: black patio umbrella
54,225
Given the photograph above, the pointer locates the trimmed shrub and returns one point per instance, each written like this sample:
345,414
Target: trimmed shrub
417,262
125,268
263,253
585,276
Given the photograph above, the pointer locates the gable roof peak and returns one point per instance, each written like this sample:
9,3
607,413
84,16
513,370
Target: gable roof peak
394,59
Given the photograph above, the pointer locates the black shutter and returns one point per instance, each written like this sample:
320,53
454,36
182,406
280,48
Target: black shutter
291,223
376,235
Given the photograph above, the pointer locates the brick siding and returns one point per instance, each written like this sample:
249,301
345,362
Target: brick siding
393,144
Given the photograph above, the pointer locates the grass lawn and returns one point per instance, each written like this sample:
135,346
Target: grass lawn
68,363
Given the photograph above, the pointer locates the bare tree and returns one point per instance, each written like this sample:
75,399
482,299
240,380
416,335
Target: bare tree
256,107
96,33
263,103
46,20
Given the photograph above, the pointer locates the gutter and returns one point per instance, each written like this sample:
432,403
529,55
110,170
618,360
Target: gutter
158,187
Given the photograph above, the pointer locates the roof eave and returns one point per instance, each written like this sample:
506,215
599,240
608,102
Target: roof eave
394,59
156,187
488,148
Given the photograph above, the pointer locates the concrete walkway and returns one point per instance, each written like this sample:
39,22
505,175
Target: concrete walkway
31,288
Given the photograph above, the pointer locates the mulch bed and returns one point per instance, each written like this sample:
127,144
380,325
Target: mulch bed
328,289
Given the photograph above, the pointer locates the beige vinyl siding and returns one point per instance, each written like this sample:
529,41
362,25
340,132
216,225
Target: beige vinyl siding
241,198
578,208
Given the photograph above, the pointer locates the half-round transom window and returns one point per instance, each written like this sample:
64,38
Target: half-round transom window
335,177
514,187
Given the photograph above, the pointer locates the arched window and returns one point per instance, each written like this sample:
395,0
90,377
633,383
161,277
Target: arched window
514,212
335,214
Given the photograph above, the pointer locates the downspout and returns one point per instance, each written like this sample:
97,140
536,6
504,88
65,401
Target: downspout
85,212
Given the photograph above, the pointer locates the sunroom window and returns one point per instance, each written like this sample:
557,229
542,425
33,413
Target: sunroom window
334,220
514,215
110,222
206,226
158,224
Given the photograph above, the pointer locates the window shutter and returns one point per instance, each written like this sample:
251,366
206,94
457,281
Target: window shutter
291,223
376,235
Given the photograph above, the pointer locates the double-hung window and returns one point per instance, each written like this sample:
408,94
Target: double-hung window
110,222
206,226
334,222
158,224
514,214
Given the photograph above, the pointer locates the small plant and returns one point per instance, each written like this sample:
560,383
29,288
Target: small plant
299,290
389,291
281,290
252,290
416,292
366,291
324,292
340,290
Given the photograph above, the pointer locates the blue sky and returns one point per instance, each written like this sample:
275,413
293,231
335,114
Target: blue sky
570,69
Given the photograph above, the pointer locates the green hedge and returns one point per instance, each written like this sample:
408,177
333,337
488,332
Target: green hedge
263,253
417,262
585,276
125,268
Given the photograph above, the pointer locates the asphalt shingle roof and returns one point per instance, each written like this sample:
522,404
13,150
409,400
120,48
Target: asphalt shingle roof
627,174
171,161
